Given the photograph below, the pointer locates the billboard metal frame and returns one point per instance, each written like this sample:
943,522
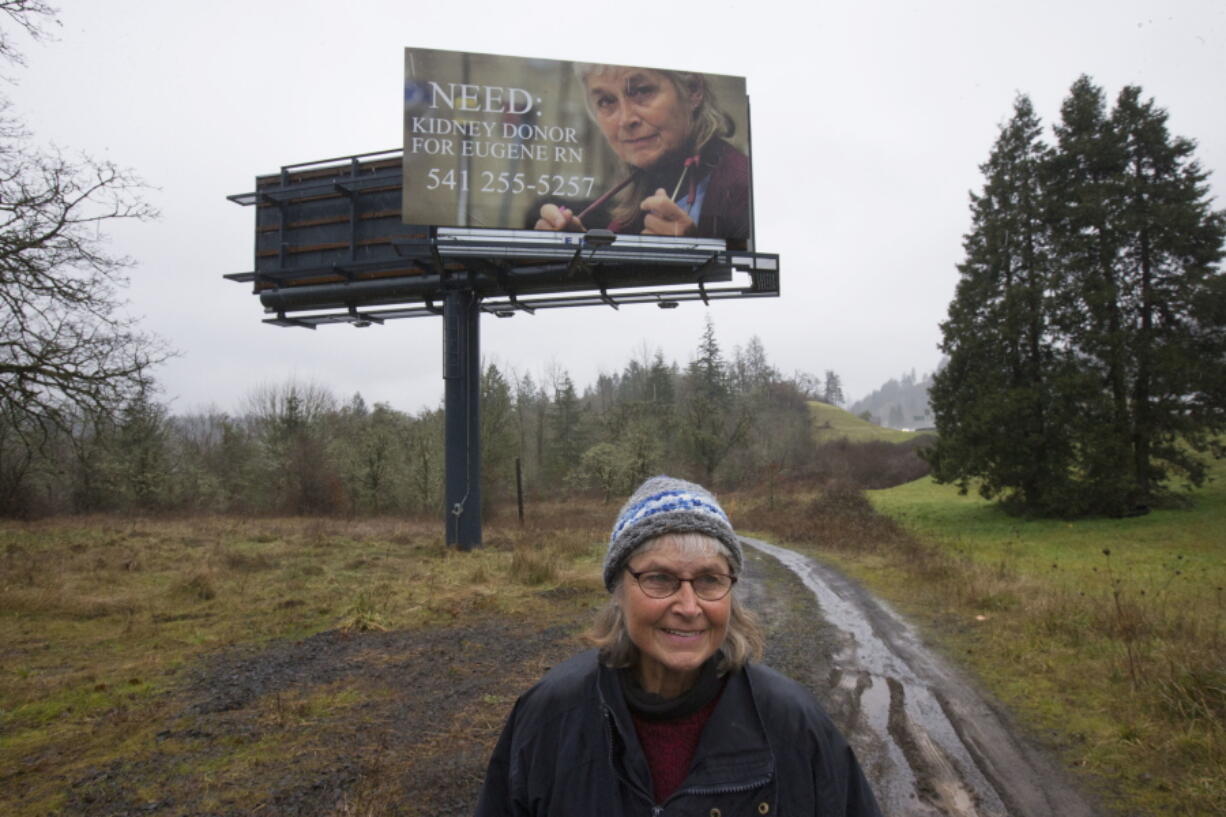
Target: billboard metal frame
331,249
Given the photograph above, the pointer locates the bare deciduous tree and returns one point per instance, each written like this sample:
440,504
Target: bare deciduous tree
65,346
28,15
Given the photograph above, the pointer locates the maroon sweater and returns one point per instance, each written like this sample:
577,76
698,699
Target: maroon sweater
670,746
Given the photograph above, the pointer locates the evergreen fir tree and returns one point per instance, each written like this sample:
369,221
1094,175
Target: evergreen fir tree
713,422
833,392
565,445
1084,175
995,398
1171,242
498,437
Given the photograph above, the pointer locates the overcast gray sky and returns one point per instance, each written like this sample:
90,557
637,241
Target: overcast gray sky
870,120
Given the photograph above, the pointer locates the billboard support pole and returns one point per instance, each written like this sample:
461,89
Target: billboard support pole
462,409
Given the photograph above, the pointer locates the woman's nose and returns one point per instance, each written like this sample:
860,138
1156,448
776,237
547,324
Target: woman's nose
686,600
628,116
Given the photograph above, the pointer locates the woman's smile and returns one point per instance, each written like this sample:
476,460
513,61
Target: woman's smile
683,639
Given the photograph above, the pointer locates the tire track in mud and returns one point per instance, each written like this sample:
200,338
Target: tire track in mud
930,742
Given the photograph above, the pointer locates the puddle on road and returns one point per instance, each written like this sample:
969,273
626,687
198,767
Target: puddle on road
894,782
928,770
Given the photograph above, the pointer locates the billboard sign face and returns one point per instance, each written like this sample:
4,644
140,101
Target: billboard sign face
508,142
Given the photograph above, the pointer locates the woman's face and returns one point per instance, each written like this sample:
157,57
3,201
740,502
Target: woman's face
675,635
641,113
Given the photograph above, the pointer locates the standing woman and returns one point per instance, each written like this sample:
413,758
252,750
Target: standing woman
667,715
681,177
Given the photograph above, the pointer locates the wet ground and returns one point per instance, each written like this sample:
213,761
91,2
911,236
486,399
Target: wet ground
335,725
930,742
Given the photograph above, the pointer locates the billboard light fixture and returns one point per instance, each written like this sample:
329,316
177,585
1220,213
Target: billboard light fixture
668,304
599,238
516,303
361,320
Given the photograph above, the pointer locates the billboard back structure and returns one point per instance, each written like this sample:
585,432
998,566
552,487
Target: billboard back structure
331,248
514,143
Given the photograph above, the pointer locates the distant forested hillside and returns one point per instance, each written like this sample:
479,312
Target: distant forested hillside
901,402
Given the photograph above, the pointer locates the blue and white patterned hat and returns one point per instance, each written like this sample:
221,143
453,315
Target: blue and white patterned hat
665,505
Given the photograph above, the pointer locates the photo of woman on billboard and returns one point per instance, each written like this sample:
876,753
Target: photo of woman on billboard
681,178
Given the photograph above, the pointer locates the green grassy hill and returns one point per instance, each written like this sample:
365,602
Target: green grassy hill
831,423
986,533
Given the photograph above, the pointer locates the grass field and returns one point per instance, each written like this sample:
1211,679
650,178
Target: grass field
833,423
104,621
1108,635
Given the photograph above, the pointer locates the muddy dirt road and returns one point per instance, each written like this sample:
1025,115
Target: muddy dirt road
930,742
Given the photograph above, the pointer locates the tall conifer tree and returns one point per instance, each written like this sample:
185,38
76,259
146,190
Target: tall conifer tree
993,400
1087,337
1171,242
1084,175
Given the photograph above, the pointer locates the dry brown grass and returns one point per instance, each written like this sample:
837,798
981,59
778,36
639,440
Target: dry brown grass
100,615
534,565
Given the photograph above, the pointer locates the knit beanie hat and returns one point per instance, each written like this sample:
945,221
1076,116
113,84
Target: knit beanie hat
665,505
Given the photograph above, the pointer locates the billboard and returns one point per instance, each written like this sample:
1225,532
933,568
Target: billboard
508,142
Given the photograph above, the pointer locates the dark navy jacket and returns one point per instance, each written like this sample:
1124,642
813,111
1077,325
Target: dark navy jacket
569,748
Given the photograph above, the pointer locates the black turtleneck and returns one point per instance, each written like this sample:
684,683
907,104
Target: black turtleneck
653,707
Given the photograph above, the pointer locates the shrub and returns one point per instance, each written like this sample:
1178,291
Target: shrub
198,585
364,615
534,565
872,464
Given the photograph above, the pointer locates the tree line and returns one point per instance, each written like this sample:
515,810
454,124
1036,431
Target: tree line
295,448
1086,342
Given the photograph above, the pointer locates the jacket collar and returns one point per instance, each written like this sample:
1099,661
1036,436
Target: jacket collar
733,752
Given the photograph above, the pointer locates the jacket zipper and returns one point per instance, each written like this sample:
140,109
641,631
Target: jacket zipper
724,789
658,809
608,733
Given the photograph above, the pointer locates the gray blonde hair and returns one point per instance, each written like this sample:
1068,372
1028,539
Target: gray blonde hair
743,642
708,121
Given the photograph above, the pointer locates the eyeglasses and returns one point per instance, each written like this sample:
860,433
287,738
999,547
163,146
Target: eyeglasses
660,585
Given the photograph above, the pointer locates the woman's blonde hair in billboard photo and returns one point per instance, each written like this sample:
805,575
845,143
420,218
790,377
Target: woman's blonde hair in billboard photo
707,121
